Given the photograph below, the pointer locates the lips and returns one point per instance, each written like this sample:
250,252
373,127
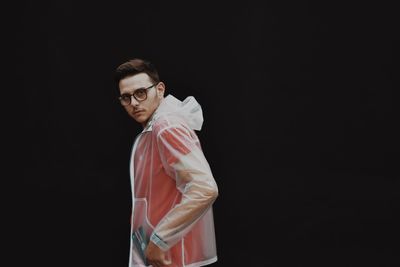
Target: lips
137,112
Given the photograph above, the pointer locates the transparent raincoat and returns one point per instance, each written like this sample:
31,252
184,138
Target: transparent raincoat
173,188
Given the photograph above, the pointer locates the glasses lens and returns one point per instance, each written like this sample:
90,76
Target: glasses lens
125,100
140,94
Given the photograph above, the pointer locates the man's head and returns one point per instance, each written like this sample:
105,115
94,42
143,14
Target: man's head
140,88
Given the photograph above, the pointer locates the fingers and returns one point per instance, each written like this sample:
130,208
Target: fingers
156,264
159,263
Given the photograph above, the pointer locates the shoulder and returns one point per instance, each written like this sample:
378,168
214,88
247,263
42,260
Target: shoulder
168,121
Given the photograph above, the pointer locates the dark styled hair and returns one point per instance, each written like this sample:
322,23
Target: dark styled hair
136,66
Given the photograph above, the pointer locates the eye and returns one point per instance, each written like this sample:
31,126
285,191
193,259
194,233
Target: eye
140,93
125,97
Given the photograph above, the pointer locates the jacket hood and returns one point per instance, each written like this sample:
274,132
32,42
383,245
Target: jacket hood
188,109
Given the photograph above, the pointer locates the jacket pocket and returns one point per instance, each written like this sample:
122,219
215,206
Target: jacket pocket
141,231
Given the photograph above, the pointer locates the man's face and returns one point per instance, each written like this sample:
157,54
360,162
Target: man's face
141,111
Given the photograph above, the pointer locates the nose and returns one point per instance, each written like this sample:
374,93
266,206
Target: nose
134,102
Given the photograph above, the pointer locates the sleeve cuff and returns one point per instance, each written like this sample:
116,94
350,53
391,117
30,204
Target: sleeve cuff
159,242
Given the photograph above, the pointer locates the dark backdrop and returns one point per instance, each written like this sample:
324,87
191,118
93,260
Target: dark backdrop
299,127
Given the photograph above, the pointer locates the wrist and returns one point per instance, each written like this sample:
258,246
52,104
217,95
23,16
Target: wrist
154,238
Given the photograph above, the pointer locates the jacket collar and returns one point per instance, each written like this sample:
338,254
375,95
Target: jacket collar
189,109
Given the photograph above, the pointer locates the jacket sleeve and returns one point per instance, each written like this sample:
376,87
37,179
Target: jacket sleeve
183,160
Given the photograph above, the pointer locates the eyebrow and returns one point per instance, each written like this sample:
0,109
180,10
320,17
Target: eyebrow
131,92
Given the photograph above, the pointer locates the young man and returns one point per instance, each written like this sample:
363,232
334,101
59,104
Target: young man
173,188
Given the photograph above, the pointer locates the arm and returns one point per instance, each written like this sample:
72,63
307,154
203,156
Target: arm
184,161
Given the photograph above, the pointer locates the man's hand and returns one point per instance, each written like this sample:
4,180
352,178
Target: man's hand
156,256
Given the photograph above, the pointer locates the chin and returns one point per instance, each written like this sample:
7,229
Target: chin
140,119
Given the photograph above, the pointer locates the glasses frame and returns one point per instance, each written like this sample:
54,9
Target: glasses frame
133,95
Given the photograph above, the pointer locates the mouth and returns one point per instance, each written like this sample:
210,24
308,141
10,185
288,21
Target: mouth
137,112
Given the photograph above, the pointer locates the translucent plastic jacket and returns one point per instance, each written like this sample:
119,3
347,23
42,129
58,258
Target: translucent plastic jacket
173,188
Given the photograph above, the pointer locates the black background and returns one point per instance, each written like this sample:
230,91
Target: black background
299,127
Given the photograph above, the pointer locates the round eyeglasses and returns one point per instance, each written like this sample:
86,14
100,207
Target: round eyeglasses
139,94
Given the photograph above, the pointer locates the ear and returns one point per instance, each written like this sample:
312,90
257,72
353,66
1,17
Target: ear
160,90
